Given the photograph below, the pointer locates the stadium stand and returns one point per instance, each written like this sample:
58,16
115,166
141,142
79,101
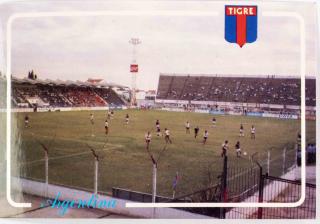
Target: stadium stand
29,93
109,96
266,90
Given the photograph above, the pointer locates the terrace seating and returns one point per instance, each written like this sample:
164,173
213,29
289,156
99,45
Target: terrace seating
64,96
109,96
282,91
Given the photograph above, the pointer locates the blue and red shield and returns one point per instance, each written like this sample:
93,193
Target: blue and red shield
241,24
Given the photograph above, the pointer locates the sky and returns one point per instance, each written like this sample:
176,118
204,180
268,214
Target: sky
78,48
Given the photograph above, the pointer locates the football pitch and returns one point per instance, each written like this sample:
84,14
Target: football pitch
124,161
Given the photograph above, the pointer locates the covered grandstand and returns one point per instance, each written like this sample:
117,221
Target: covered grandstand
29,93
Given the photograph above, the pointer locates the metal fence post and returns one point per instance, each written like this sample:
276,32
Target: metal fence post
223,193
284,160
46,158
154,182
296,156
261,186
95,168
268,162
96,165
46,167
154,187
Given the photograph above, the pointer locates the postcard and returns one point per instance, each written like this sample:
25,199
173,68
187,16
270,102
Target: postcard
202,110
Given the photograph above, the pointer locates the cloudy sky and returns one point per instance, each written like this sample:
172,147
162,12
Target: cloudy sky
76,48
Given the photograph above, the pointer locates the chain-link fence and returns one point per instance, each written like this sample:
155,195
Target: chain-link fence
275,161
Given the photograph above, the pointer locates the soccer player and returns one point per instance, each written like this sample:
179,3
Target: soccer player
158,128
92,124
241,131
26,121
253,132
148,139
205,136
167,136
187,127
238,149
225,148
109,114
196,131
92,118
106,126
214,121
127,119
112,114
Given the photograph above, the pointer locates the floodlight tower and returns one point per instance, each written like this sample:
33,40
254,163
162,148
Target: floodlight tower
134,68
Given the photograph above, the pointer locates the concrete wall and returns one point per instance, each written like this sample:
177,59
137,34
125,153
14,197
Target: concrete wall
50,191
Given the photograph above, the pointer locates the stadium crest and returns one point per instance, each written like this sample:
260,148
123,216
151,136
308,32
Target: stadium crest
241,24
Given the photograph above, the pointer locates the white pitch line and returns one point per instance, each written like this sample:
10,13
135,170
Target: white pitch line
71,155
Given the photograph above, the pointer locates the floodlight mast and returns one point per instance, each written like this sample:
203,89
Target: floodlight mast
134,70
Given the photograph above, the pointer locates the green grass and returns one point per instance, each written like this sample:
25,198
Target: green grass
125,162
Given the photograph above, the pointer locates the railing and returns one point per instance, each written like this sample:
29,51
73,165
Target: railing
135,195
290,192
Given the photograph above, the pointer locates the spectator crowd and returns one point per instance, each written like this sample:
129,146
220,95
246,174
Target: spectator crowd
28,94
264,90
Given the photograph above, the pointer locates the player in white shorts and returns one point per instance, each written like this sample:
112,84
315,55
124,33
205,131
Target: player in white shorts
214,121
205,136
109,115
187,127
112,114
253,132
92,119
167,136
225,148
148,139
127,119
26,121
92,124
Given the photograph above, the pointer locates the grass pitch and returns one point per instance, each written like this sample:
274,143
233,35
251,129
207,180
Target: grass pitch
124,160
